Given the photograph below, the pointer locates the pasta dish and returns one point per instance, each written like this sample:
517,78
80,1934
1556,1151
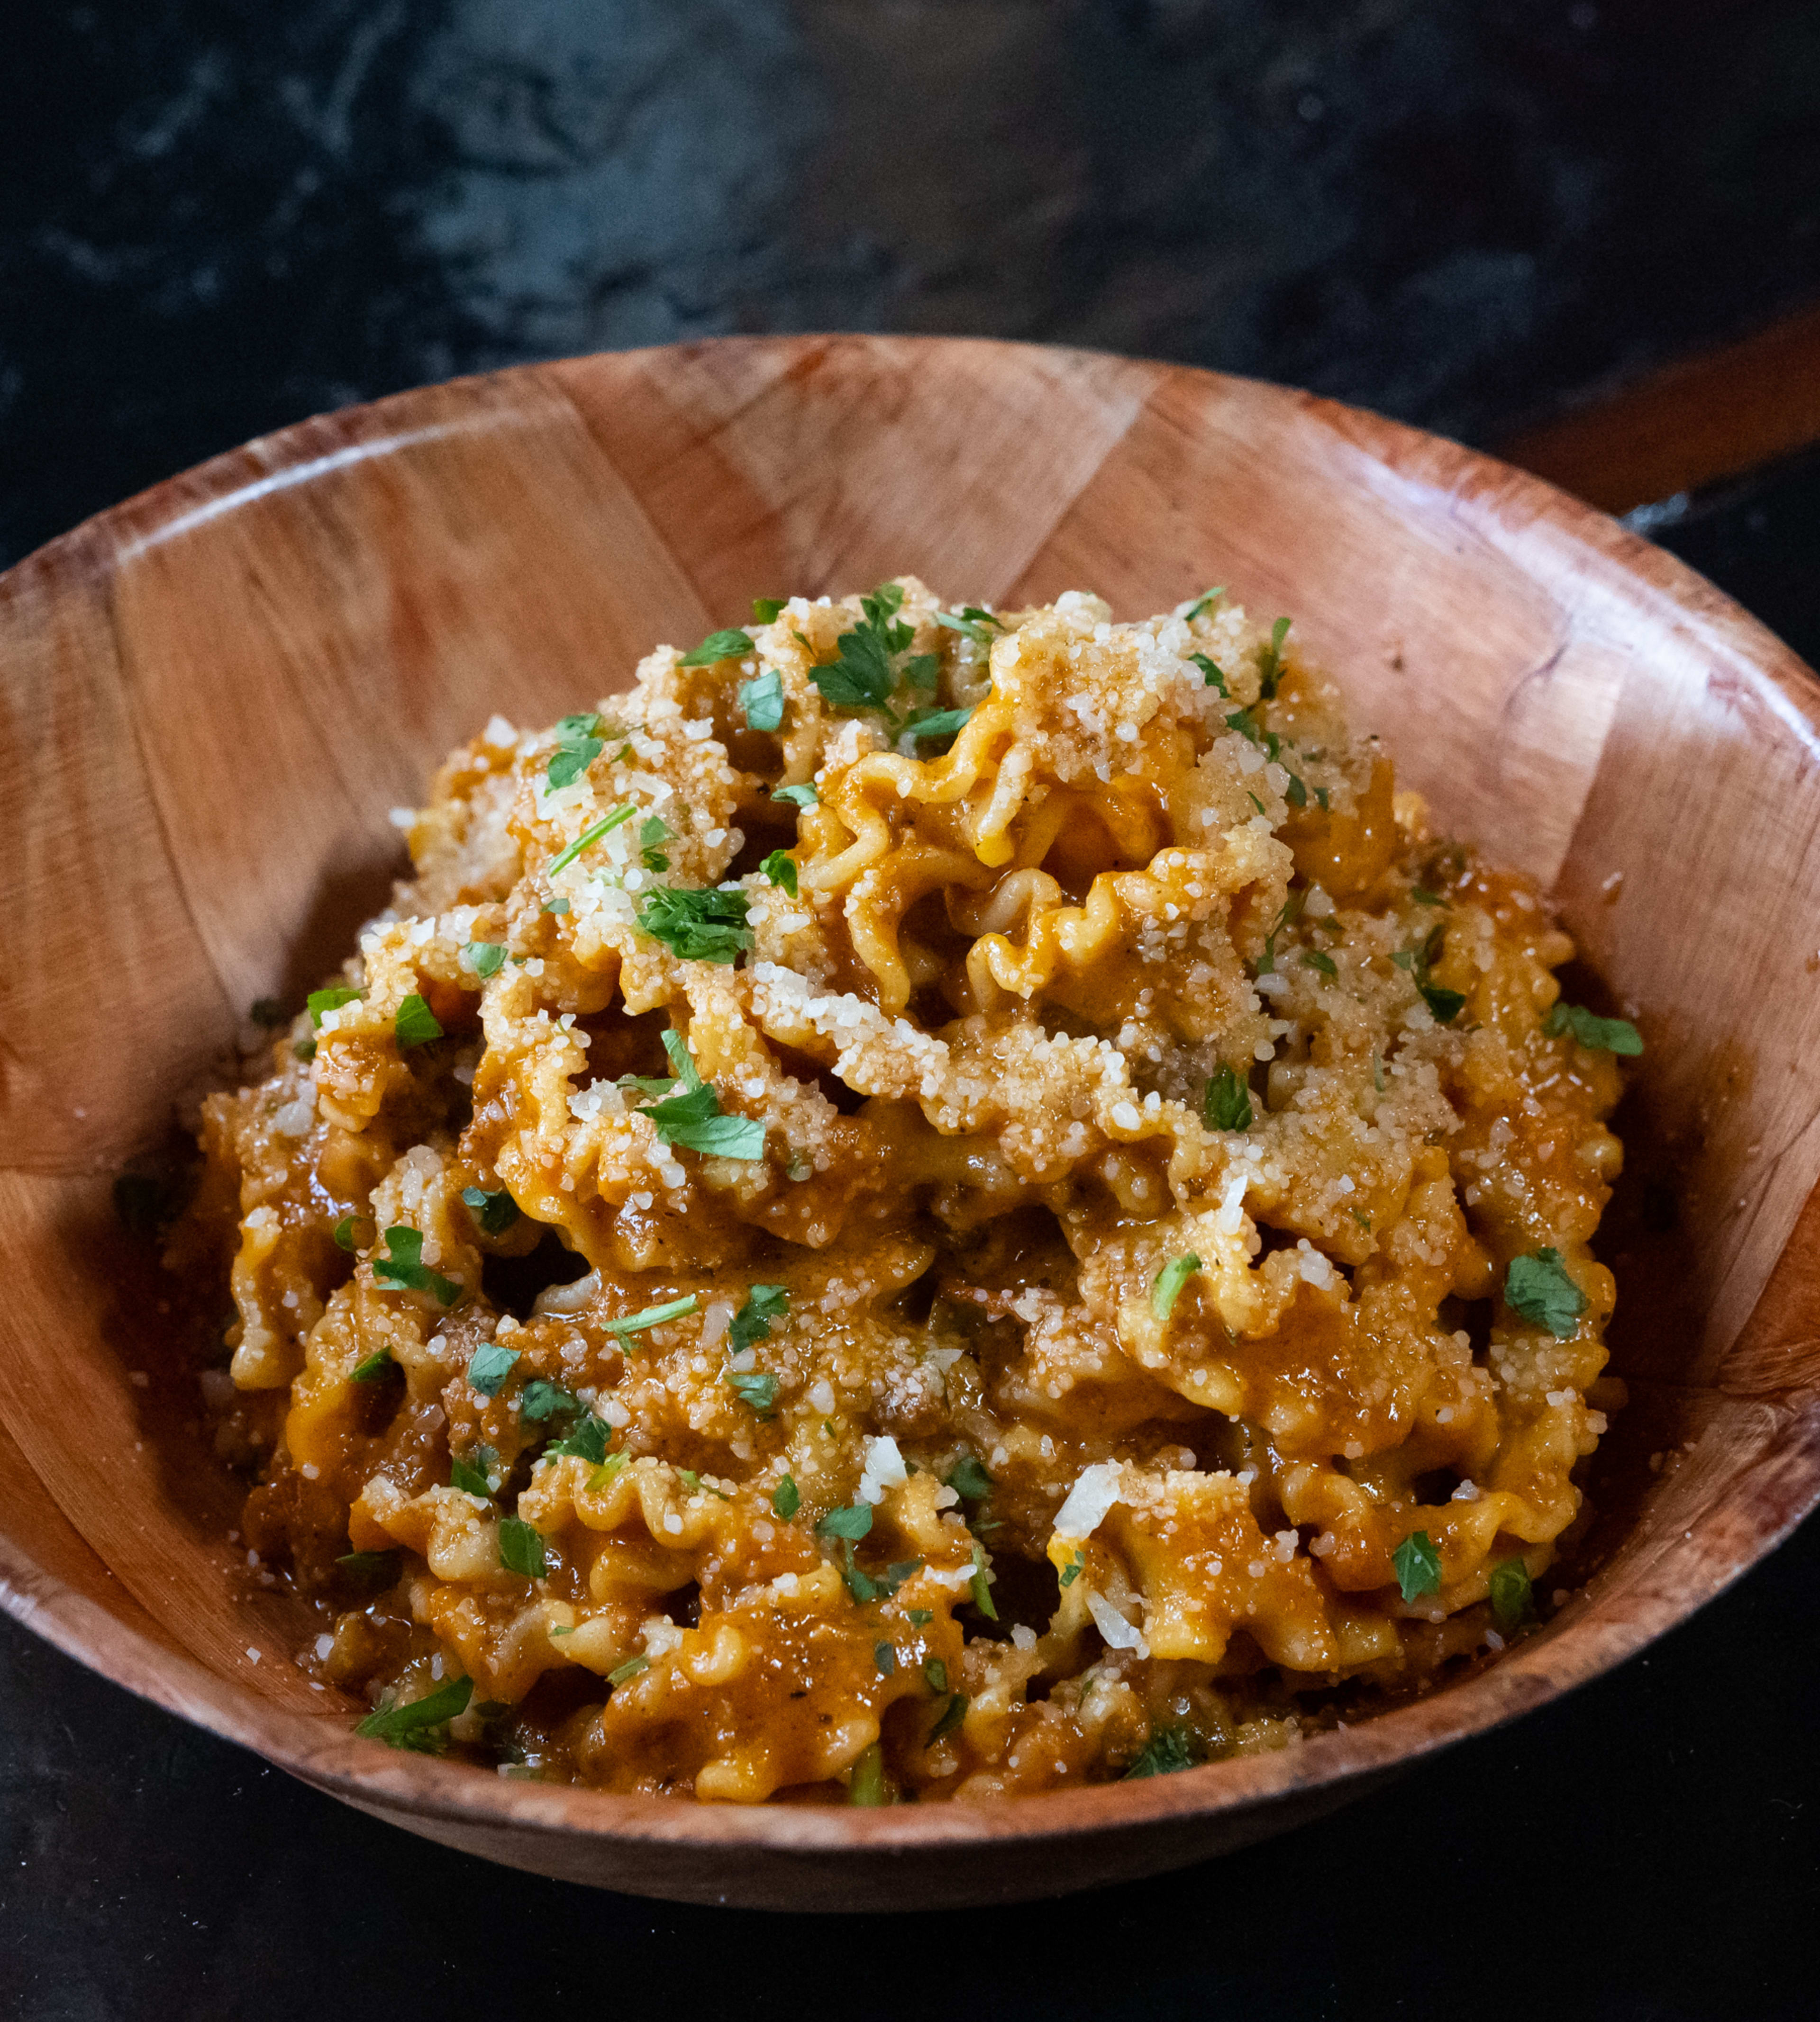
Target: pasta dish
932,1201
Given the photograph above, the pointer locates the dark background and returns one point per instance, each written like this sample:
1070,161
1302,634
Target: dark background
219,216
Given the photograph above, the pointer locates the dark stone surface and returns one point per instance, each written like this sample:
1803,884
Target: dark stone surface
217,215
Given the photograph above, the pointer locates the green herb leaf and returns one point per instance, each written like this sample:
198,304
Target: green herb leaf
1216,675
605,1472
404,1265
521,1548
1424,897
414,1725
762,700
861,677
1206,597
926,726
493,1213
372,1368
653,831
1446,1005
1539,1288
786,1498
1512,1598
920,1618
970,1480
1417,1566
936,1672
1291,912
489,1365
953,1714
756,1387
1168,1749
1322,963
1270,661
767,610
304,1049
371,1568
1071,1571
982,1592
752,1322
542,1399
1295,793
852,1522
922,670
353,1232
804,796
485,957
586,839
779,866
472,1472
694,1120
1597,1035
886,1657
555,905
694,1482
698,926
578,746
1226,1105
332,999
672,1309
415,1023
588,1441
732,644
630,1669
1170,1279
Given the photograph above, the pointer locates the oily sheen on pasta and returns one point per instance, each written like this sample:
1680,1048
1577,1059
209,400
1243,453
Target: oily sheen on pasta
930,1202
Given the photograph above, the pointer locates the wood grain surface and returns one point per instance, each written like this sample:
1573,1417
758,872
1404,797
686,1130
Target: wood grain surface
214,694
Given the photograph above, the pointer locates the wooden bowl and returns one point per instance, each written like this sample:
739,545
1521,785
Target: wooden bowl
215,692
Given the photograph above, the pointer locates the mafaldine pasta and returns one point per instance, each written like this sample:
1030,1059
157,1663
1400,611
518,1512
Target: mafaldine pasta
930,1202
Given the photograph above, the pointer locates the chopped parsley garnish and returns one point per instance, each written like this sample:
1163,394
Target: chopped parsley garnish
371,1568
578,746
886,1657
1417,1566
1321,796
982,1592
780,867
694,1118
653,833
521,1548
415,1725
588,838
472,1472
304,1049
1270,661
404,1265
752,1322
695,1486
1170,1279
488,1367
852,1522
1291,912
1424,897
485,957
762,700
415,1023
1226,1105
731,645
1216,675
1206,597
698,926
1597,1035
804,796
756,1387
786,1498
350,1230
953,1714
372,1368
605,1472
1323,964
1445,1004
862,675
970,1480
1512,1598
919,1617
1539,1288
672,1309
1295,793
971,621
936,1672
588,1441
1168,1749
766,610
542,1399
554,906
1071,1571
630,1669
332,999
493,1213
929,725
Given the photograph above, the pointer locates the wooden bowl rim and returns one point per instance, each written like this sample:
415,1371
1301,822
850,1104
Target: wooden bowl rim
1731,1535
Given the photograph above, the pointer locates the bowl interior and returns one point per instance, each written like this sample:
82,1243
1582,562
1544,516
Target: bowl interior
215,693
